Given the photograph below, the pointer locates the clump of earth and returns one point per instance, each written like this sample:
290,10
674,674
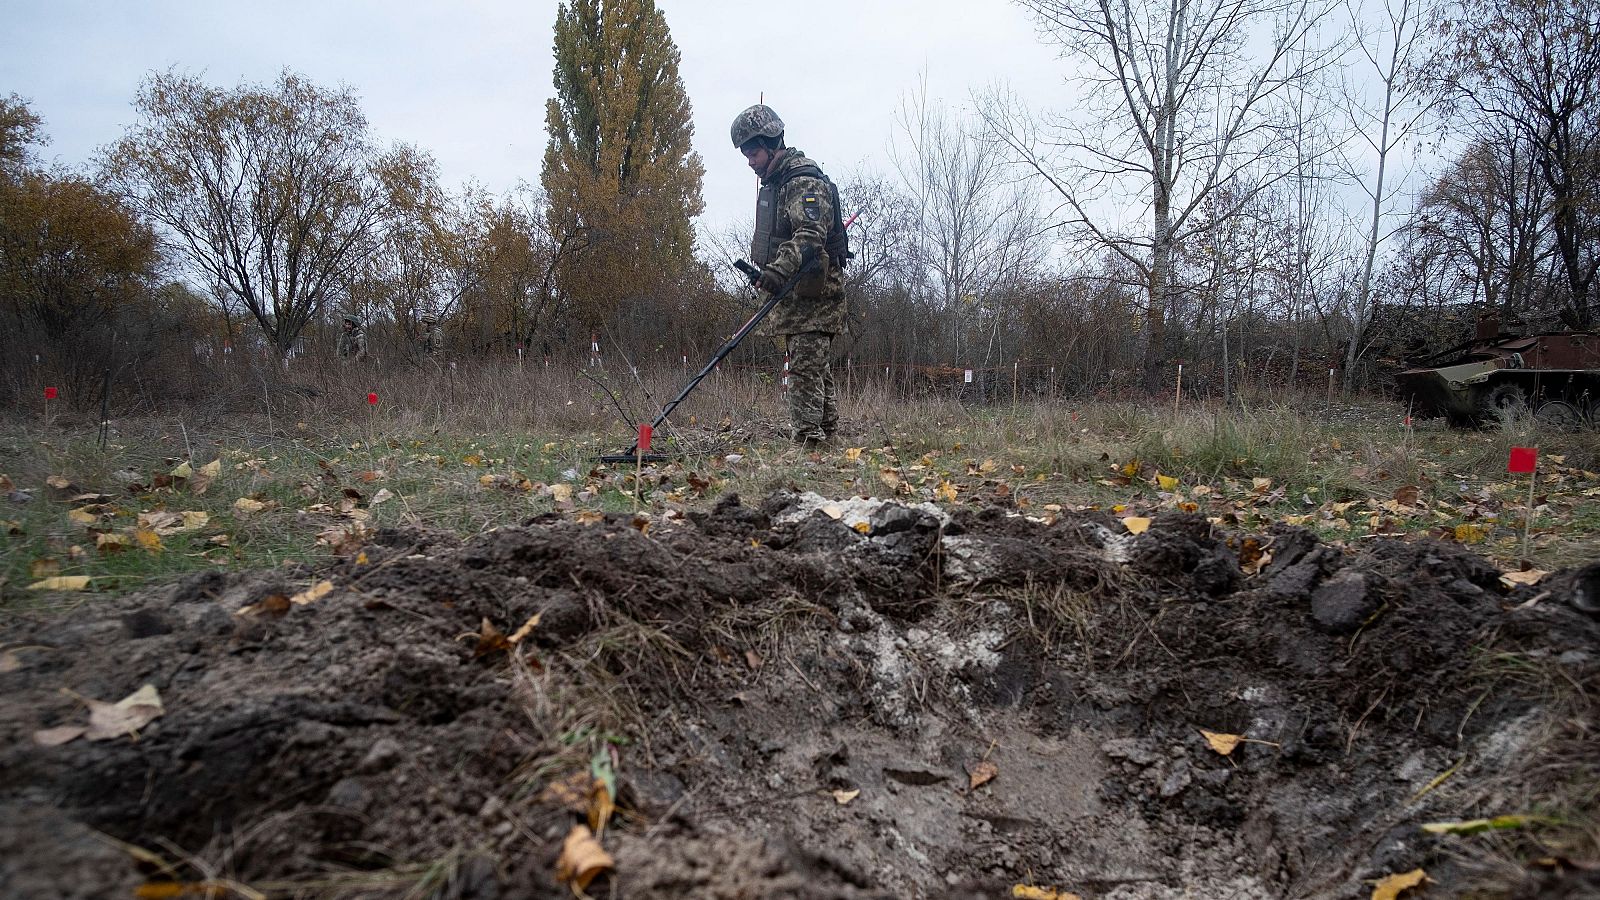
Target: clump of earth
806,698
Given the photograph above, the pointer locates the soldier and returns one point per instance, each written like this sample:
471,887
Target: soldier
432,335
797,209
352,343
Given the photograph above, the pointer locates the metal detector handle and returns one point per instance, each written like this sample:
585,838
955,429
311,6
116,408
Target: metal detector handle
749,269
808,261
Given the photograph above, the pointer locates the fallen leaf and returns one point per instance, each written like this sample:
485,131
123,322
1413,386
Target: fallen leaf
490,639
1475,826
1470,533
833,511
82,517
111,542
212,469
601,806
525,630
246,506
863,527
945,491
853,453
1407,495
126,716
1167,482
981,773
312,594
1028,892
55,737
273,605
184,470
58,482
1136,524
582,858
381,496
1532,576
44,567
1224,744
589,516
561,493
147,539
1393,886
194,519
1261,485
843,797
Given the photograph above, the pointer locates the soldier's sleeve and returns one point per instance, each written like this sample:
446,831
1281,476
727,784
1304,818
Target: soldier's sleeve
808,205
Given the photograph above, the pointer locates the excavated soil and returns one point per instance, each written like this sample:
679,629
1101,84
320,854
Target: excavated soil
744,670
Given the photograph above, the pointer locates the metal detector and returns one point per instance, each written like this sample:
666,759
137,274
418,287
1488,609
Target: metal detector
808,261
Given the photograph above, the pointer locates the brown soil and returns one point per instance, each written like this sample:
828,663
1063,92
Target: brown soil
743,664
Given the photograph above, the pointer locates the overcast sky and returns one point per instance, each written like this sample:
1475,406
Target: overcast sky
468,81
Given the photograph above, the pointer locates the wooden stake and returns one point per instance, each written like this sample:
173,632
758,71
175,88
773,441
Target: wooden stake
1177,395
1527,520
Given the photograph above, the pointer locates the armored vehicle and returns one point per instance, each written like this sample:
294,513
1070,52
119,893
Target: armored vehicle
1554,375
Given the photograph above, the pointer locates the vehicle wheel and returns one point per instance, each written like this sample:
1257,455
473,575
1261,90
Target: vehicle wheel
1504,402
1559,415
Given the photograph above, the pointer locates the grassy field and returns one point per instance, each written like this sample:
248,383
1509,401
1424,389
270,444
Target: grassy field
300,477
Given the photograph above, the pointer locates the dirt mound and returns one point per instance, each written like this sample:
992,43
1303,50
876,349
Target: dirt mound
809,699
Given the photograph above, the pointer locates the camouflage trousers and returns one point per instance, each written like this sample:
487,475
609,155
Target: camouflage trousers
813,405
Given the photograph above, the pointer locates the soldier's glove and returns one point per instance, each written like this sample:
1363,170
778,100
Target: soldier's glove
770,282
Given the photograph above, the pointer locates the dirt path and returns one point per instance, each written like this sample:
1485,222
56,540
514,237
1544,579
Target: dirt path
810,699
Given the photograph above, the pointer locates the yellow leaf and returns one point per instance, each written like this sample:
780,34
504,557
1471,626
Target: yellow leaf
945,491
82,517
562,493
1136,524
212,469
1222,743
600,806
863,527
246,506
147,539
312,594
1029,892
1471,533
1167,482
61,583
486,480
1261,484
58,482
113,542
472,460
1393,886
843,797
582,858
184,470
1474,826
853,453
988,466
590,516
1131,468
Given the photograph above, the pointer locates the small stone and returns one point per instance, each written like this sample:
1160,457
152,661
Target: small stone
384,754
145,623
1178,778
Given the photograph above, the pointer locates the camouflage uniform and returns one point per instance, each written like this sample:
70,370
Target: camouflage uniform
432,336
794,211
352,343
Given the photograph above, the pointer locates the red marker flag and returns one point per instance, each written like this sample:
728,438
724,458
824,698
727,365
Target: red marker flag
1522,459
372,399
644,437
49,393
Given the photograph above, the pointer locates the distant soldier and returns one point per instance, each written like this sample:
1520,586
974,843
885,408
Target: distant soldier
352,343
432,335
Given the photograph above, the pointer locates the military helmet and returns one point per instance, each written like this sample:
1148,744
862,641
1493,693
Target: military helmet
757,121
351,318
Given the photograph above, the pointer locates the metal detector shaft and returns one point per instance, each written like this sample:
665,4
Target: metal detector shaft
808,261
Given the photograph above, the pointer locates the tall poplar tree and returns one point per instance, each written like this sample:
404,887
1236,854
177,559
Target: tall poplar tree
622,179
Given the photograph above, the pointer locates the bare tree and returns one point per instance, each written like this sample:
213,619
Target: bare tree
1177,102
976,231
1534,66
271,194
1386,105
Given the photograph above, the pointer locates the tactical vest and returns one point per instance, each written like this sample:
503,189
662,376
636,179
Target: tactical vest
772,229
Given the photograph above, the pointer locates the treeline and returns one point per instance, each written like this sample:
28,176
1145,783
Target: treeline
1257,209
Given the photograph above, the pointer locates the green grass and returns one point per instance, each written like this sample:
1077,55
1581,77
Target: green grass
1245,468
